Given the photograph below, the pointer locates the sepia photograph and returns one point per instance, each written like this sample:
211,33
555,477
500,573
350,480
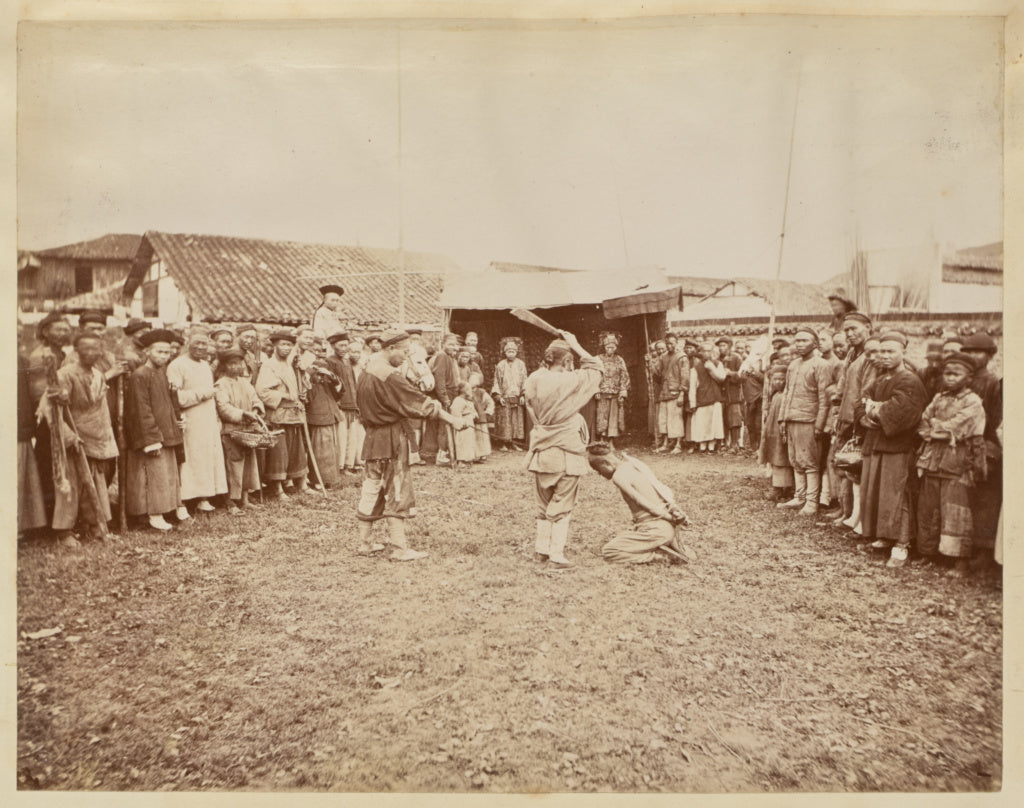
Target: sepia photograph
510,405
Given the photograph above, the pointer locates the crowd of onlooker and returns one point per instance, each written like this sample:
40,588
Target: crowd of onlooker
164,422
905,459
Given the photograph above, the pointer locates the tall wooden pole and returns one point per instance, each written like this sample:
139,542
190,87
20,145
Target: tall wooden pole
401,197
785,210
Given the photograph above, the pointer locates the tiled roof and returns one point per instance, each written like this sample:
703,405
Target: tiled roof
697,286
102,299
793,298
988,256
508,266
113,246
237,279
535,288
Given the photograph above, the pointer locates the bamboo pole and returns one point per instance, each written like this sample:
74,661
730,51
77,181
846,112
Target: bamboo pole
785,210
122,461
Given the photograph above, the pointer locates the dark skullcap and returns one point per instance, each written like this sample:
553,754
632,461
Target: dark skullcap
50,319
134,325
244,327
158,335
331,287
229,354
338,337
893,336
92,316
282,336
725,339
959,358
979,342
807,330
857,316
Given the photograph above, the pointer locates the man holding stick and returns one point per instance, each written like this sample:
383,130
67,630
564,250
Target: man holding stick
558,441
88,432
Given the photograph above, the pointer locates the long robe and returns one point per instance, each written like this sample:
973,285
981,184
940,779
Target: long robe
203,473
465,439
31,510
888,486
611,410
509,379
150,416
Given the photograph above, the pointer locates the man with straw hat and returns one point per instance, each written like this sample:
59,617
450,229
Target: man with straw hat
841,305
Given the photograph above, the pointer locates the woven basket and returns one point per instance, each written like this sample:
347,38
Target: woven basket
260,437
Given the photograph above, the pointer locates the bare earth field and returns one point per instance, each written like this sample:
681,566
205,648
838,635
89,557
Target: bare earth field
261,653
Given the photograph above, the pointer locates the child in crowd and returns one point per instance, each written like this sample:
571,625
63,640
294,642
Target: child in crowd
951,461
465,438
484,416
238,406
773,448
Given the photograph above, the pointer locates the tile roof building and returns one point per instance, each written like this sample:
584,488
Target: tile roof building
55,277
176,277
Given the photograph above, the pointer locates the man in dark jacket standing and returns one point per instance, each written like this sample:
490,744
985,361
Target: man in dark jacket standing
987,500
891,411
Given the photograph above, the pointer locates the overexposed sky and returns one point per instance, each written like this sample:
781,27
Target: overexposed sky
581,145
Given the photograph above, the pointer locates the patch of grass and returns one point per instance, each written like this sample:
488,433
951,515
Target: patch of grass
263,653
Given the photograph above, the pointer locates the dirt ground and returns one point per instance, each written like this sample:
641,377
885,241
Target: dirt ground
261,653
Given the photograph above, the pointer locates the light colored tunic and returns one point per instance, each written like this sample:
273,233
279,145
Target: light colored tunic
558,440
203,473
465,439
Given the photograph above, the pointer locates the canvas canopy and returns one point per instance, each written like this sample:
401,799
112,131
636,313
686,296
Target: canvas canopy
620,293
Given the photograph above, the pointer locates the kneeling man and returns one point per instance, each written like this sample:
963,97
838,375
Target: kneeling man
655,513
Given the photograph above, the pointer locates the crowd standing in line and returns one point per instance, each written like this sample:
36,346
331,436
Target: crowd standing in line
906,460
